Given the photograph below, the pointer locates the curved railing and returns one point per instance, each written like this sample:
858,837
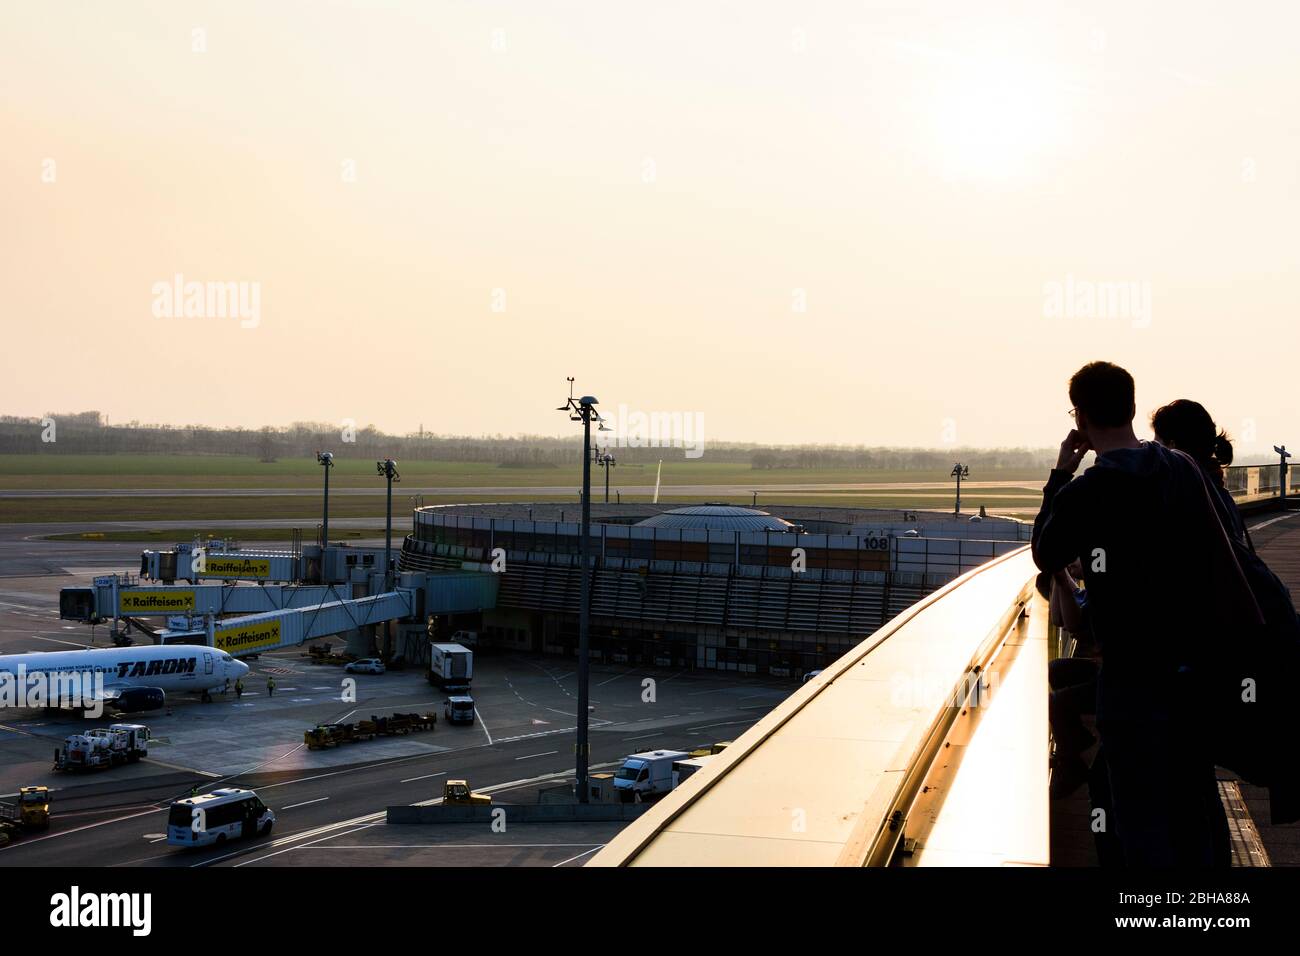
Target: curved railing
926,744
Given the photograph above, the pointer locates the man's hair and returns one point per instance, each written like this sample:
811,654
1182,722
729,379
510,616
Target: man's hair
1104,393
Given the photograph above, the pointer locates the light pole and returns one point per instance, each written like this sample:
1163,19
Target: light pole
1282,469
326,460
388,469
583,410
606,461
959,471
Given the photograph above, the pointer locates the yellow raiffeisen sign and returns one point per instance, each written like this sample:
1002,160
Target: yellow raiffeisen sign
155,602
247,637
224,567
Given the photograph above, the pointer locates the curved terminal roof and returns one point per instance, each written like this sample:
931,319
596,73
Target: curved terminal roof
717,518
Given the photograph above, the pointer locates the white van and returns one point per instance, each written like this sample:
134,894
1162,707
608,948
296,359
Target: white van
649,773
216,817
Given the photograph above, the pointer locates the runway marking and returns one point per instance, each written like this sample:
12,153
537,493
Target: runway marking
372,819
725,723
580,855
53,640
460,846
294,806
303,847
440,773
658,733
176,766
531,756
483,724
631,670
1265,524
88,826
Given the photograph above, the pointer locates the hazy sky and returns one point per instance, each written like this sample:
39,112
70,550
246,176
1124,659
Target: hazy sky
880,223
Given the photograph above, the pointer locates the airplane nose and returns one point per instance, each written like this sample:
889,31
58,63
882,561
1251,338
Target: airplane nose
241,669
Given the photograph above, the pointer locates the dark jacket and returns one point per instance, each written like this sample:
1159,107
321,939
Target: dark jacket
1159,570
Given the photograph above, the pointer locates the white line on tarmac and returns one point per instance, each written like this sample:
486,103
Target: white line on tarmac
617,677
1265,524
531,756
293,806
726,723
483,724
580,855
53,640
372,819
440,773
645,736
304,846
88,826
458,846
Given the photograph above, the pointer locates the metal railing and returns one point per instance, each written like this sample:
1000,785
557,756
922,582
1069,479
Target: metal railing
1249,484
859,767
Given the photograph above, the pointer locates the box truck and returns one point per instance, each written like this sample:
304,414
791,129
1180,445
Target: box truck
647,774
451,666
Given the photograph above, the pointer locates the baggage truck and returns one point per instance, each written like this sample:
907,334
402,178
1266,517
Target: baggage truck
451,666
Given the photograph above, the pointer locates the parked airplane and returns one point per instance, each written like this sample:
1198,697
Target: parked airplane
128,679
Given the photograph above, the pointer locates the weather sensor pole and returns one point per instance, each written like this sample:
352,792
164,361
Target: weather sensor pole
1282,469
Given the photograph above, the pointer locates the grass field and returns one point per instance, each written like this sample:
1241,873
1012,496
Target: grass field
231,471
172,535
164,473
307,508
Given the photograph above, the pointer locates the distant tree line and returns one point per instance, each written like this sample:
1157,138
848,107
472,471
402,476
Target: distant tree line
86,433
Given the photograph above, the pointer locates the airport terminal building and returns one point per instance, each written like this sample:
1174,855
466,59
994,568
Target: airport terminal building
709,586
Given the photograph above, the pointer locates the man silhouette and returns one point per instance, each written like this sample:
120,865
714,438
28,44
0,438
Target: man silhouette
1141,524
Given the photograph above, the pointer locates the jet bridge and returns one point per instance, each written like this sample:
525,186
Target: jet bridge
273,616
259,633
123,596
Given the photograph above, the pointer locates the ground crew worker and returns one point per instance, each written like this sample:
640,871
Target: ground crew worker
270,687
239,688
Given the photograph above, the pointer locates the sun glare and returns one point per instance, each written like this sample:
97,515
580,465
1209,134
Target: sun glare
995,122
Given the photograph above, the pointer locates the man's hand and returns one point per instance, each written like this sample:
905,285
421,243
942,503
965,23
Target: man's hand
1073,449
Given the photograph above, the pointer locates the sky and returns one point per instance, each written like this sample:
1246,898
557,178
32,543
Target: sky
860,223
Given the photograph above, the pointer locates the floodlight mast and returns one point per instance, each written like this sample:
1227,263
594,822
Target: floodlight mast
959,471
326,461
606,461
584,410
388,469
1282,469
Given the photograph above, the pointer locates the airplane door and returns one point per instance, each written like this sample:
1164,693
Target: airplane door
207,663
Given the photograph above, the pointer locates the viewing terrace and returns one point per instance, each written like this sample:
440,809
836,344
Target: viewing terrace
928,743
